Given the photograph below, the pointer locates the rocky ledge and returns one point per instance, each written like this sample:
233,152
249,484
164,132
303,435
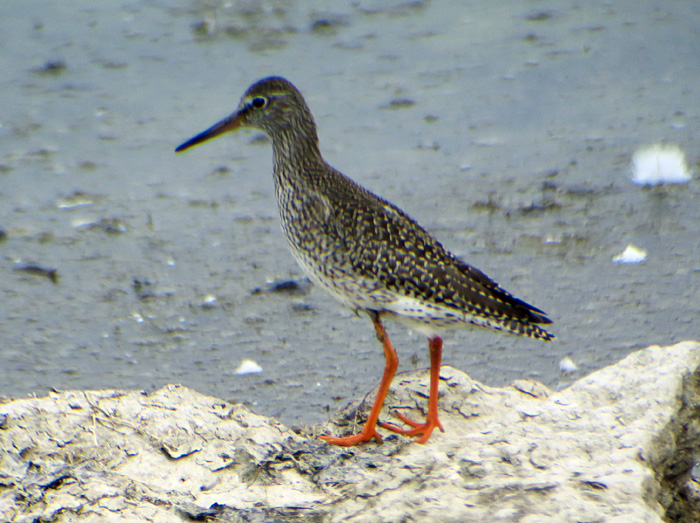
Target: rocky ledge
620,445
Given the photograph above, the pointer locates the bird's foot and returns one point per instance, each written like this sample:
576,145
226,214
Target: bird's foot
424,430
367,434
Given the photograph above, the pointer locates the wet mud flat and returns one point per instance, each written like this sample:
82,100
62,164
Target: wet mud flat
506,131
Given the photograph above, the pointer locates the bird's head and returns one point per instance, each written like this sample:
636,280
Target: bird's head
272,105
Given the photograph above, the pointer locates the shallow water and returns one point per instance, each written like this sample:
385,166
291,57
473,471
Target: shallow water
507,131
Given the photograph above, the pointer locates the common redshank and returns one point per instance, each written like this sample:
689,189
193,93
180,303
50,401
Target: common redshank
368,253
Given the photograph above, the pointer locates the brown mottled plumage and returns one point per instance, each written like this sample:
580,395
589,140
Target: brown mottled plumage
367,252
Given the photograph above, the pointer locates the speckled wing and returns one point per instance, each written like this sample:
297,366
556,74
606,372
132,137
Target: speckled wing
407,268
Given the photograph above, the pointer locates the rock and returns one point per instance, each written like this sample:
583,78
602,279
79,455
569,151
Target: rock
619,445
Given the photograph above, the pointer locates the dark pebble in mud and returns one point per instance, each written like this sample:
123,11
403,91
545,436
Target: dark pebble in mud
290,286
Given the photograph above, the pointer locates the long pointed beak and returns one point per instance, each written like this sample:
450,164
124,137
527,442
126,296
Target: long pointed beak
230,123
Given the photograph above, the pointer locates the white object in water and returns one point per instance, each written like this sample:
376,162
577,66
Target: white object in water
567,365
659,164
631,254
248,367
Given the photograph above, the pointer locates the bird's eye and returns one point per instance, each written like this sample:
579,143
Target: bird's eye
258,102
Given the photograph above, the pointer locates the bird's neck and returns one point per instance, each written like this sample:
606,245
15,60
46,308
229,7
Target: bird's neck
295,150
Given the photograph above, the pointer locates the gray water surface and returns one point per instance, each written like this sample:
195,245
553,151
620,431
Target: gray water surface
506,130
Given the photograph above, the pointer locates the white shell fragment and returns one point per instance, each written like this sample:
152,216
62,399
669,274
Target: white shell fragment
631,254
248,367
659,164
567,365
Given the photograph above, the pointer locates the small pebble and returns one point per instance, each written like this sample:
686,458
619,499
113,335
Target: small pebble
567,365
631,254
248,367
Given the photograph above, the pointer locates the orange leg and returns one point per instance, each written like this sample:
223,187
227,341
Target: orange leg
431,420
369,431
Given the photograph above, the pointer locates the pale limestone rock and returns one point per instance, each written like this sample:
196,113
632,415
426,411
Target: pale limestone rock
617,446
